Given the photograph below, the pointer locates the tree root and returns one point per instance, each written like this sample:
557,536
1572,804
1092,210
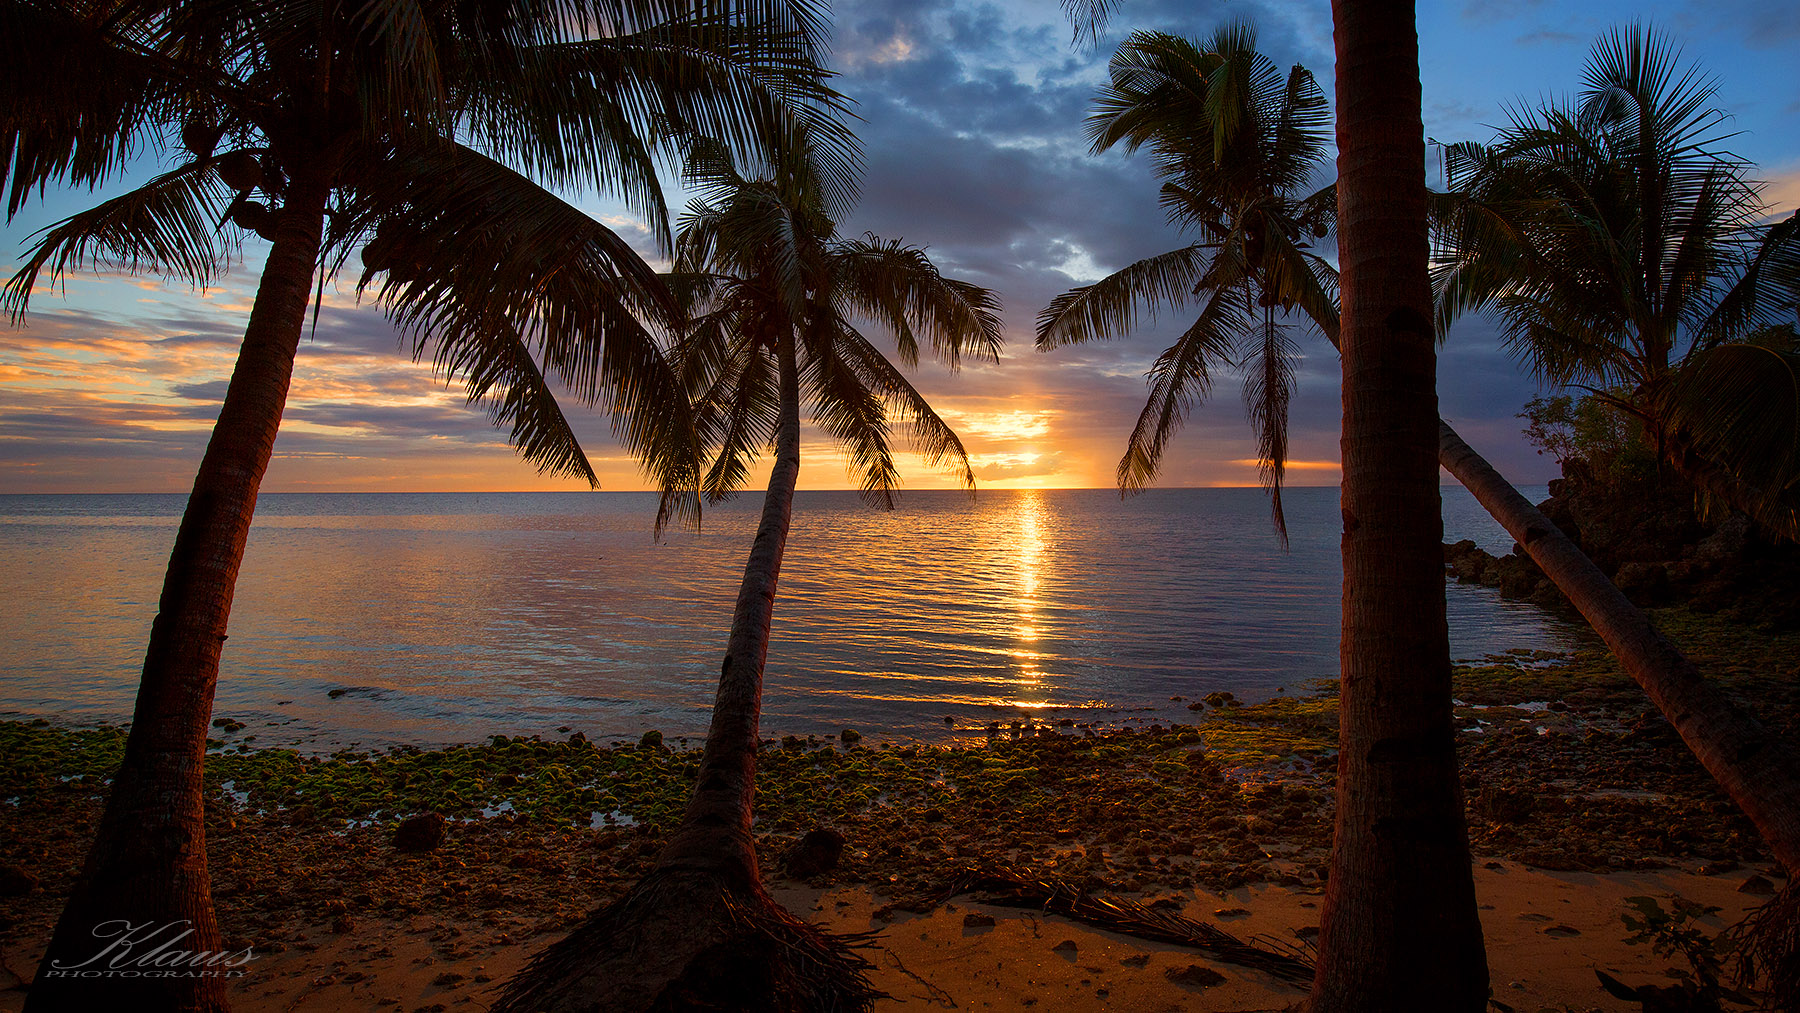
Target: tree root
1767,948
1274,957
685,940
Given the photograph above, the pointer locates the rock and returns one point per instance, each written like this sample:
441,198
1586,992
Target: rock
932,815
1506,805
977,920
1643,583
1757,886
651,739
1194,975
849,736
16,882
420,833
1066,946
817,851
1135,960
1562,931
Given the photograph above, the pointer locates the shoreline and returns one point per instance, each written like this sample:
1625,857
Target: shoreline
1569,779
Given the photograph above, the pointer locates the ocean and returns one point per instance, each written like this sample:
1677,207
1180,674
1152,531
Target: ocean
370,620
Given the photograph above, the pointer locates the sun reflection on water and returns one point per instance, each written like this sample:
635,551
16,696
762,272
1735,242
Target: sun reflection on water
1028,539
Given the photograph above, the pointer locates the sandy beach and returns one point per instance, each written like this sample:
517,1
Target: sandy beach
1546,934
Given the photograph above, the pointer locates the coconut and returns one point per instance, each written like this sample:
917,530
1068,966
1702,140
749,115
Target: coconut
200,137
240,170
253,216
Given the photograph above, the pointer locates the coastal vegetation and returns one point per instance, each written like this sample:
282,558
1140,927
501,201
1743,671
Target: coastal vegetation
1629,254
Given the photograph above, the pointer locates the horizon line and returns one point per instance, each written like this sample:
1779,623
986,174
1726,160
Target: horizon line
641,492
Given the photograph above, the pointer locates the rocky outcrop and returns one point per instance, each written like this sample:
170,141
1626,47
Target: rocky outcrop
1650,541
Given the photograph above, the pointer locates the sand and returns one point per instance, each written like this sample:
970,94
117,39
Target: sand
1546,934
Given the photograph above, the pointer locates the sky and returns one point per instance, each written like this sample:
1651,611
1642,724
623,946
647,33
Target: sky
971,123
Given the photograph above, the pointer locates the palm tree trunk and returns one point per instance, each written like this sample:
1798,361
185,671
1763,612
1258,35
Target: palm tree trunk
699,931
1398,927
1756,769
147,865
715,831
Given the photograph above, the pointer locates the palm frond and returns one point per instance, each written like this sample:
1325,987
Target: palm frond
1268,390
1766,293
1088,17
931,436
1110,306
900,287
850,412
1180,377
473,256
82,99
502,374
169,226
706,73
1736,410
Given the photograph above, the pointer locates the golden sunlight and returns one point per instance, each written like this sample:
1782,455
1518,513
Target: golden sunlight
1029,539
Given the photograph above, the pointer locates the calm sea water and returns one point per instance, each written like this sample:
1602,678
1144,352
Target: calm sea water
450,617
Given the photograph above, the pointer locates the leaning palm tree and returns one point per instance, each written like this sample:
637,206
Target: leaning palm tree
1237,145
776,298
1627,252
408,128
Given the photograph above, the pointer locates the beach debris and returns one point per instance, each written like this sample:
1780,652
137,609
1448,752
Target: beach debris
1276,957
1758,886
977,920
1195,976
816,852
1562,931
420,833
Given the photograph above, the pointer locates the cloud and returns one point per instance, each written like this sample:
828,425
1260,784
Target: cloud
1781,190
1761,24
1551,37
1487,11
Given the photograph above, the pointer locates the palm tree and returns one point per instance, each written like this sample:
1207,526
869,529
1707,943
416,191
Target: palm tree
1754,767
409,126
1624,250
775,297
1399,928
1236,144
